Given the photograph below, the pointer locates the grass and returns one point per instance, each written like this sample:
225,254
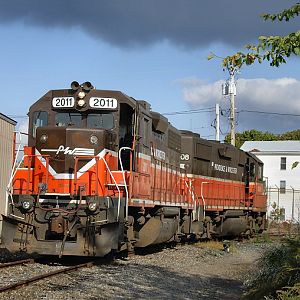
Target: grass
263,238
289,293
215,245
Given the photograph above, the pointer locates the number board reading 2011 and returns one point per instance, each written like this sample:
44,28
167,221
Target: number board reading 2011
63,102
103,103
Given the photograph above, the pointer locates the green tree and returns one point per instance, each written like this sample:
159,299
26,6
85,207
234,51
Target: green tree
251,135
290,135
256,135
275,49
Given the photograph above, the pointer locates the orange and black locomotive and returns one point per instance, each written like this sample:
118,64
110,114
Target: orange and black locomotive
103,173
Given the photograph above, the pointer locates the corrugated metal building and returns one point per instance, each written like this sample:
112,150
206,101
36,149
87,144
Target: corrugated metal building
7,127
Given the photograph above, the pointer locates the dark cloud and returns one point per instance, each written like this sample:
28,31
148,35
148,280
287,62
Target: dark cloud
188,23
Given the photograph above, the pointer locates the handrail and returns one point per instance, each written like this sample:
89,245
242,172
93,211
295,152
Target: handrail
14,172
16,153
77,158
113,178
191,192
46,156
202,197
124,179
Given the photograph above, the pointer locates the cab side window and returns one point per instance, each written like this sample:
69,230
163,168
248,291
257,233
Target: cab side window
40,118
252,170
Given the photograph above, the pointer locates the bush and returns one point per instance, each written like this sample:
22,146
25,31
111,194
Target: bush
278,274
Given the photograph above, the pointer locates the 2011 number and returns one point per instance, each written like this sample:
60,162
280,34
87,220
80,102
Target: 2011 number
105,103
63,102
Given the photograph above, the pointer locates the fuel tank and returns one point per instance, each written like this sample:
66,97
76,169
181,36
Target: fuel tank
157,231
231,227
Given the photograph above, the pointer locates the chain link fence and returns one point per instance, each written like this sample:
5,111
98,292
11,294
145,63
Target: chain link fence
283,204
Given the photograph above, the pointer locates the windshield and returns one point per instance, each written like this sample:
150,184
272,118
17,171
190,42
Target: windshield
95,120
103,121
68,119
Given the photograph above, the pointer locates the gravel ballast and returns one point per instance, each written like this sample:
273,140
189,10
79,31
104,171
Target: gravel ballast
183,272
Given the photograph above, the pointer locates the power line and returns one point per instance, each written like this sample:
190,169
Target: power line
207,136
268,113
17,117
190,111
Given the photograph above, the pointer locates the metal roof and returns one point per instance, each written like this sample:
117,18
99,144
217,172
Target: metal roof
7,119
271,146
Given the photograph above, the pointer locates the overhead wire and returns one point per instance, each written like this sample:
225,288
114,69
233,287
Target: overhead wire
268,113
17,117
190,111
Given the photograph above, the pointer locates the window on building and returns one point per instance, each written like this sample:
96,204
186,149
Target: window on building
283,163
282,186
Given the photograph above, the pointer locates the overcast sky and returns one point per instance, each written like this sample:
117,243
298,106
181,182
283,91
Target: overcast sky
152,50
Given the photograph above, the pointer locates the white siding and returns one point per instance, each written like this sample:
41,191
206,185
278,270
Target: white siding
270,154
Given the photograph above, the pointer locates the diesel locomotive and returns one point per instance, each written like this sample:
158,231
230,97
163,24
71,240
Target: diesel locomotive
103,173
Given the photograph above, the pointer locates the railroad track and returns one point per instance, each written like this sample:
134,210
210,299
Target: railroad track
17,262
33,279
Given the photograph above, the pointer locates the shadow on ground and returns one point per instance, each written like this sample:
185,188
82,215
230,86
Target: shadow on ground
129,281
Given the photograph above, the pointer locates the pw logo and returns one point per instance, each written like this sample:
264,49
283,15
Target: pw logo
68,151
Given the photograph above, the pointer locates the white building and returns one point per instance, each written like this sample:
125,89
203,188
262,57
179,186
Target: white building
281,174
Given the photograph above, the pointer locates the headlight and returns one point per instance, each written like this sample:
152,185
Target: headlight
92,206
26,205
81,95
94,139
81,102
44,138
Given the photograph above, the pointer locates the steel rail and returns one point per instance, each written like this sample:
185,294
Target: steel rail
25,282
17,262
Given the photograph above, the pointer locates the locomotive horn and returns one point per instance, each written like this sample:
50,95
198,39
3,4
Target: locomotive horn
75,85
87,86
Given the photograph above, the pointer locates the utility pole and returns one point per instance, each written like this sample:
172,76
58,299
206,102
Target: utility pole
229,88
217,122
232,93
